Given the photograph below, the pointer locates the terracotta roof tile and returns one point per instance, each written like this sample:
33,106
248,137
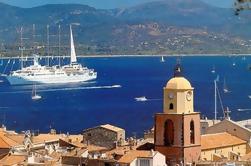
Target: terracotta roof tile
211,141
133,154
12,160
50,137
6,142
111,127
18,138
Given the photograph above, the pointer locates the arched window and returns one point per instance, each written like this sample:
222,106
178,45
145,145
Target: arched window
171,106
192,141
169,133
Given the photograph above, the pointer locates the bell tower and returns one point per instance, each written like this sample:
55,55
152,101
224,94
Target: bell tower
177,129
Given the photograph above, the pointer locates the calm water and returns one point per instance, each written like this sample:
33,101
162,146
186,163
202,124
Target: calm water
73,108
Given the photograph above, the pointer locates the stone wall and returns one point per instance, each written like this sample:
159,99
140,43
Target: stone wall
103,137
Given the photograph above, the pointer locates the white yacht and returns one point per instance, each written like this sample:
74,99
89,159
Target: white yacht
38,74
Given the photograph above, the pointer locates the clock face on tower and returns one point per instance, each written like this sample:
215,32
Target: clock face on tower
189,96
171,95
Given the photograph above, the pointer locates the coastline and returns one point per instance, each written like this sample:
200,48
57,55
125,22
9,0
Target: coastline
111,56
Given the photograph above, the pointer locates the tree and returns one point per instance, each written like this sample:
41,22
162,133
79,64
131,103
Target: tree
241,5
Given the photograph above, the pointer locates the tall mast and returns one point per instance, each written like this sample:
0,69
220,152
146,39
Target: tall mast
59,44
33,38
21,47
215,100
48,45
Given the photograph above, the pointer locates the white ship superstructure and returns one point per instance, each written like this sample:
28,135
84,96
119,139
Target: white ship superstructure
36,73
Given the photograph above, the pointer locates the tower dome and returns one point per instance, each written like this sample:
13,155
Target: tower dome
178,83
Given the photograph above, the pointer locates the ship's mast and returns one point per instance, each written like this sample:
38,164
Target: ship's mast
59,44
33,37
21,47
48,45
215,100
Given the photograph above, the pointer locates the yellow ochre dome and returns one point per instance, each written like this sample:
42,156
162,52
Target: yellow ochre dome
178,83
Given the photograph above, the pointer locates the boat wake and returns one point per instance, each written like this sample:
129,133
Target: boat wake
144,99
70,89
241,110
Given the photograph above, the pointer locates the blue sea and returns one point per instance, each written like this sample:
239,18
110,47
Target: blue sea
110,99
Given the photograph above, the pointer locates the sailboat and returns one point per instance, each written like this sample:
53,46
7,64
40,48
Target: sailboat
162,59
225,89
34,94
36,73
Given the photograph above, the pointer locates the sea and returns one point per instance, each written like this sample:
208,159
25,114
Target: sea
110,99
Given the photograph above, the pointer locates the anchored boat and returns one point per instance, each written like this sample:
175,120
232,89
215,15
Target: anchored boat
36,73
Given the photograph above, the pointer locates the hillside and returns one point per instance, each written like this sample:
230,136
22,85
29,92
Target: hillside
162,27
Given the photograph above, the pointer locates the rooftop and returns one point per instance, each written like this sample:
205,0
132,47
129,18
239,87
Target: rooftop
111,127
178,83
6,142
106,126
218,140
133,154
13,159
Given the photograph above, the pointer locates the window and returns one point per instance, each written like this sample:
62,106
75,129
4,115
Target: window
169,133
192,141
171,106
144,162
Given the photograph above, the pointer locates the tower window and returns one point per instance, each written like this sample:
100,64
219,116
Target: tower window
192,141
171,106
169,133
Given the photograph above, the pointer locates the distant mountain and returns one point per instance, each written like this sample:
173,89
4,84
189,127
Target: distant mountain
169,26
193,13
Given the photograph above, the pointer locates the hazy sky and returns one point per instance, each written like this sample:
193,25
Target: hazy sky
103,4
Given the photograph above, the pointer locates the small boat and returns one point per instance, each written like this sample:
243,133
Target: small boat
162,59
142,98
213,70
35,96
234,64
249,96
225,89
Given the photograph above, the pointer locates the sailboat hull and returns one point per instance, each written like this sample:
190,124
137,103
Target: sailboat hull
51,79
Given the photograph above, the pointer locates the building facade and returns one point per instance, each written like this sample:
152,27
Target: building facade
104,135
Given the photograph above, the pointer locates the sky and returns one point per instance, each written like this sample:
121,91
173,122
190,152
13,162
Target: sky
101,4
